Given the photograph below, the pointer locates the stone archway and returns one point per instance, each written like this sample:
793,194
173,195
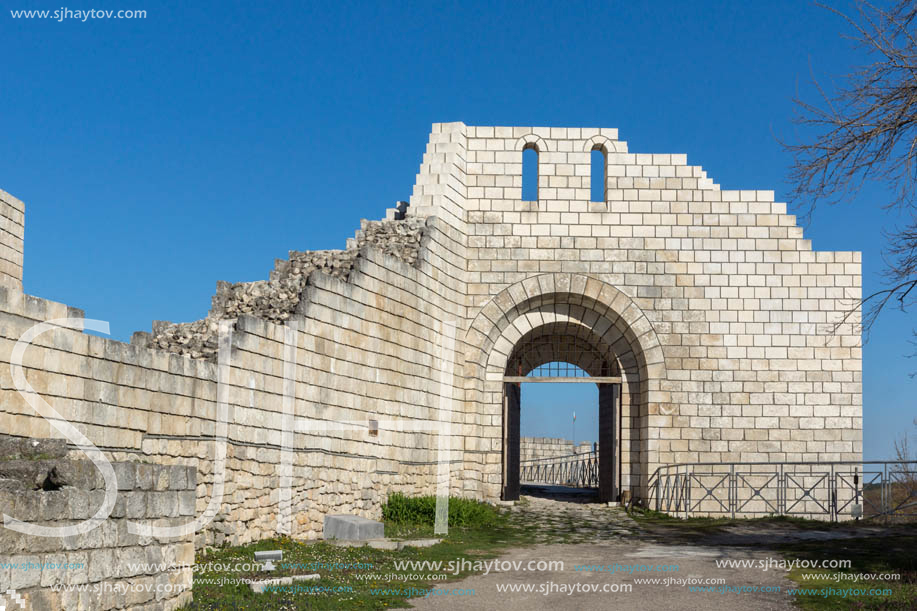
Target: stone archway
565,341
585,307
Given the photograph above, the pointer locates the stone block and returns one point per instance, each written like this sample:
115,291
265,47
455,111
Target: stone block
162,504
78,570
154,555
178,477
351,528
25,572
78,507
144,591
101,565
44,600
184,554
135,503
71,599
187,501
54,569
15,448
130,561
145,476
125,474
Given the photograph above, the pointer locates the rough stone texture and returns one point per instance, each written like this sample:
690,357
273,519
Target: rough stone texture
277,299
108,555
717,313
352,528
15,448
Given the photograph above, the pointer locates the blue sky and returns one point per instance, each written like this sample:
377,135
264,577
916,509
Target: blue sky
160,155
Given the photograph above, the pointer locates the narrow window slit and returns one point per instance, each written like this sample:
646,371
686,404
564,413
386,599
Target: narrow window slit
599,172
530,174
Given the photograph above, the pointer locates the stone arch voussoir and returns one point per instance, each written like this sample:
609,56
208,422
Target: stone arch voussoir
531,140
609,312
604,143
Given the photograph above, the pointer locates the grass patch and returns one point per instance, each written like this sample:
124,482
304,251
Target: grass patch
892,554
368,583
421,511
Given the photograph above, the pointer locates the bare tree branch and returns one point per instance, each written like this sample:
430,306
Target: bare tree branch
866,131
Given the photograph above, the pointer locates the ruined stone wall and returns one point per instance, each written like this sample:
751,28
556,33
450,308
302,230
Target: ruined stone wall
280,298
116,568
367,346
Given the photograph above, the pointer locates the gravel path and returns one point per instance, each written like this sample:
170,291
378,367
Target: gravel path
585,534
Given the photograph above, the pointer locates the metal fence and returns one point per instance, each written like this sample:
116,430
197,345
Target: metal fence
579,470
822,490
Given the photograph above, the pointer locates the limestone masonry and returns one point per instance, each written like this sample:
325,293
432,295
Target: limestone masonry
40,487
727,331
535,448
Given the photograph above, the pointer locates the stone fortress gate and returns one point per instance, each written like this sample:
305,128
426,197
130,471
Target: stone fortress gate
714,331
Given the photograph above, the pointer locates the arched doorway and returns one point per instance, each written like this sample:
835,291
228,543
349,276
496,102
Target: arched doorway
564,352
523,324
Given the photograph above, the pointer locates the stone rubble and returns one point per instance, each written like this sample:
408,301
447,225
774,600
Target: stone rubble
278,298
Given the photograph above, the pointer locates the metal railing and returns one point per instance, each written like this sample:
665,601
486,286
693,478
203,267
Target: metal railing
579,470
824,490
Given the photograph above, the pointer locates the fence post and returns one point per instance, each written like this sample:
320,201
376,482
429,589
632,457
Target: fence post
687,492
733,489
856,488
658,477
885,492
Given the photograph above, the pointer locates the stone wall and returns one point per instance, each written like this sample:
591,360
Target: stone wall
12,234
533,448
544,447
361,343
734,330
114,568
719,316
279,298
